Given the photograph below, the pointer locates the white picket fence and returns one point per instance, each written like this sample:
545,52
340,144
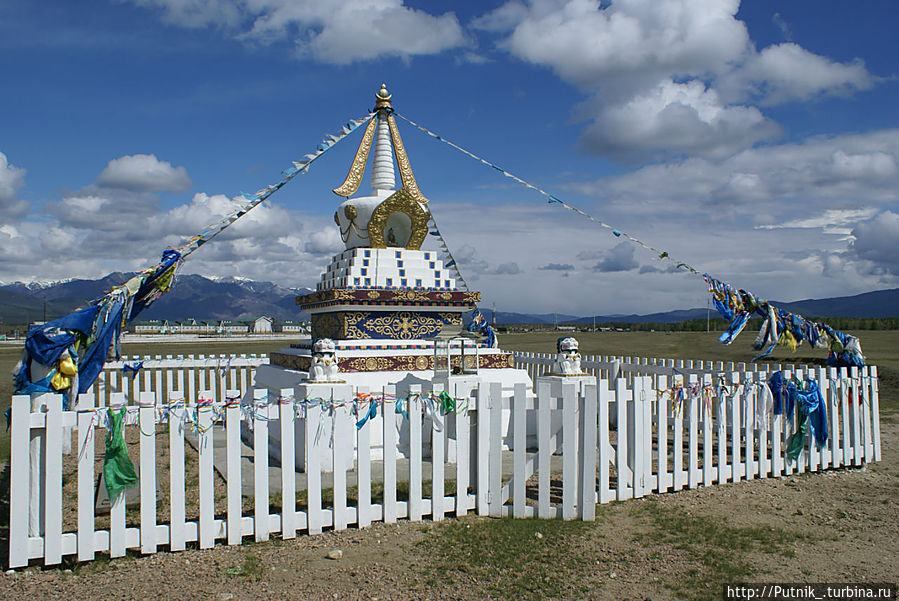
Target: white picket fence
191,374
552,452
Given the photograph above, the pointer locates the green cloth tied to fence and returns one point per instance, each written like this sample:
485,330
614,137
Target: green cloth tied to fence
797,440
118,471
447,403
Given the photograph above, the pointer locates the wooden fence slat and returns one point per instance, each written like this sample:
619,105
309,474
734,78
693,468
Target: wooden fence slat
437,460
693,410
624,489
587,497
665,480
463,447
341,455
314,417
117,540
414,408
605,452
707,422
86,434
867,430
53,482
495,442
147,428
844,415
233,472
206,474
875,411
261,404
678,409
569,450
544,450
519,449
389,418
363,463
177,526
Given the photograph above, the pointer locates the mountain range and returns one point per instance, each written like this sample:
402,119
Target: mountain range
202,298
880,303
193,296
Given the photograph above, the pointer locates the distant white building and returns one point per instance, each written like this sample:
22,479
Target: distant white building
294,327
263,325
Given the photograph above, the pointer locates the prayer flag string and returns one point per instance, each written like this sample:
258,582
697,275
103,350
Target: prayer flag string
845,350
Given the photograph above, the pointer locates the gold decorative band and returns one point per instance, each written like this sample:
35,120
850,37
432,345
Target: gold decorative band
402,162
357,169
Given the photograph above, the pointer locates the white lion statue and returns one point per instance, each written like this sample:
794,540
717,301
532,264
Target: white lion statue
324,361
568,360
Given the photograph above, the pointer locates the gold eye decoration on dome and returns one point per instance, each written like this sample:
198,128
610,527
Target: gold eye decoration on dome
400,221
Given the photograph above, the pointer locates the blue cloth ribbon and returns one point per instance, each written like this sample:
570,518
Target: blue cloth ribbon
131,370
370,414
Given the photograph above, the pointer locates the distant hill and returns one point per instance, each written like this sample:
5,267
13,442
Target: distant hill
203,298
881,303
193,296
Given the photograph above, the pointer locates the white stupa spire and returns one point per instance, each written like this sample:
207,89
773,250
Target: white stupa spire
383,176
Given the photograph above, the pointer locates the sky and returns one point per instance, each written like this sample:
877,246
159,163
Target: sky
754,141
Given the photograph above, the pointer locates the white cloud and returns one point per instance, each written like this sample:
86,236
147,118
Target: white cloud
626,46
12,178
786,72
832,221
677,118
324,242
619,258
330,32
768,185
877,241
672,77
510,268
143,173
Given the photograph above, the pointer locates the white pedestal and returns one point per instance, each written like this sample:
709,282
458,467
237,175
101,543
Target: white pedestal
325,438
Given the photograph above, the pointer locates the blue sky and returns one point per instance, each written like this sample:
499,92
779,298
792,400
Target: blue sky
758,141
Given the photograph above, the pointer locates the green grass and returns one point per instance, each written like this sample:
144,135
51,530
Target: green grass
719,549
506,558
251,568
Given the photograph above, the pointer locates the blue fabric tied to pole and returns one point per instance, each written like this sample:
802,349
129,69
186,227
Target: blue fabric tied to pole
370,414
736,326
812,407
783,400
95,355
131,370
811,404
45,343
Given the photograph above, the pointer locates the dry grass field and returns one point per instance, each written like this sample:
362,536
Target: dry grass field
838,526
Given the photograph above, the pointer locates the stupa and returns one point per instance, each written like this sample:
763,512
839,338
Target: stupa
387,311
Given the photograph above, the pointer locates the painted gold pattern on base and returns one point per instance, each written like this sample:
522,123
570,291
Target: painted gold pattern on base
394,363
388,296
395,325
421,362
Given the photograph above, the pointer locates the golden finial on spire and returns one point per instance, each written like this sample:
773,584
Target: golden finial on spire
382,98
